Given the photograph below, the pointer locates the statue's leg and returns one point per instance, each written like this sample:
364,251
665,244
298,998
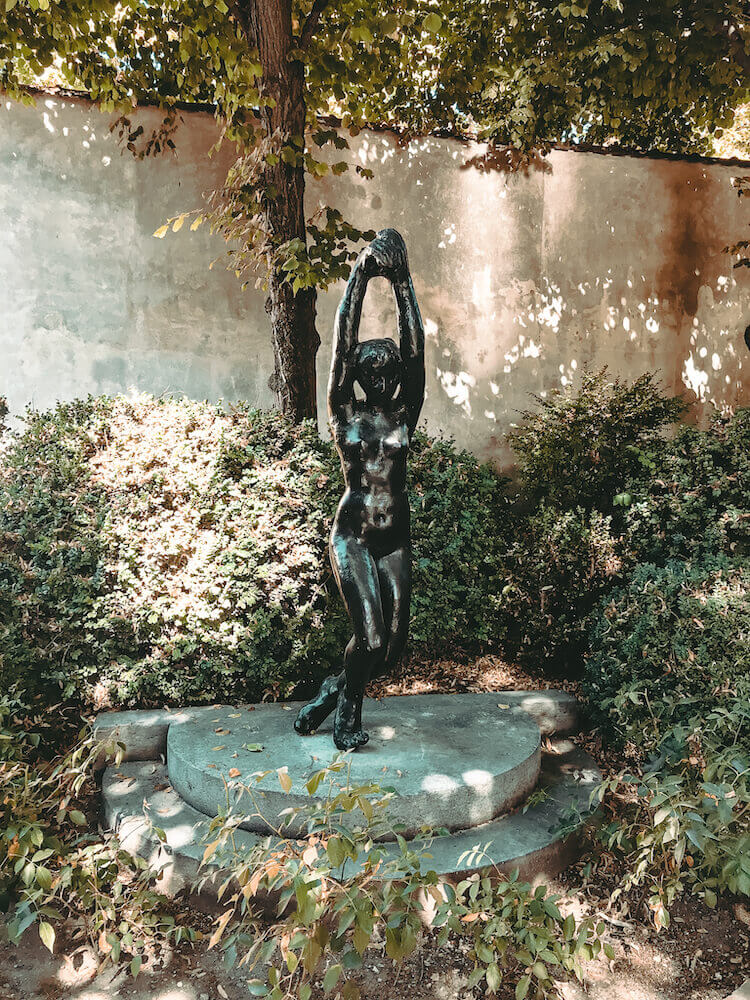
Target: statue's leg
315,712
394,575
357,577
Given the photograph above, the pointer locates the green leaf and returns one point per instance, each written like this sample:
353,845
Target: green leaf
523,987
494,978
336,851
331,978
44,877
47,934
77,817
432,23
135,965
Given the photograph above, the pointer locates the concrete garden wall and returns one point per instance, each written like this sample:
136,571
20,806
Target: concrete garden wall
522,278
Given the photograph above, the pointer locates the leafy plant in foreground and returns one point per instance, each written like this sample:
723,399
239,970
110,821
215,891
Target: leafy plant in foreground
340,891
52,868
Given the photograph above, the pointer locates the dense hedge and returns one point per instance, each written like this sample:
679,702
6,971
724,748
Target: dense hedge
585,447
668,677
162,550
696,502
673,645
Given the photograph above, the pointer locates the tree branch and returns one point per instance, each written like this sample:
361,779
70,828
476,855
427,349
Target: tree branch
311,22
242,11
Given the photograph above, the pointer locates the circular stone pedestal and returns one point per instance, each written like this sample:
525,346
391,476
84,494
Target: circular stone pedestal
453,763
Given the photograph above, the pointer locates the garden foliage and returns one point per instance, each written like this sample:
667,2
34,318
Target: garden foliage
53,864
351,896
583,448
163,550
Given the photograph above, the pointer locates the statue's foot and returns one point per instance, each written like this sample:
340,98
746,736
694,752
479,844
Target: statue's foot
350,741
347,726
316,711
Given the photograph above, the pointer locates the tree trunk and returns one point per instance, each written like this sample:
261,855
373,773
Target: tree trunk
268,24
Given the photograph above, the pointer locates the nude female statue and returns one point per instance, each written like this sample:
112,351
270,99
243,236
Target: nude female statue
370,543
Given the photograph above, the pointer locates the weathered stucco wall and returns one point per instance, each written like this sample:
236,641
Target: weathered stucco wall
522,279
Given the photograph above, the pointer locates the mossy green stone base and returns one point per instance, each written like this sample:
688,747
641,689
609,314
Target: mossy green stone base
540,840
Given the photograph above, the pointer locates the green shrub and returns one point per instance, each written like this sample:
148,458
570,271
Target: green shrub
697,502
672,645
51,519
557,569
163,550
584,447
351,897
52,869
460,521
669,676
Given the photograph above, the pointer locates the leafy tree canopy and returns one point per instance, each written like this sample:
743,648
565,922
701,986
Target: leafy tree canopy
650,75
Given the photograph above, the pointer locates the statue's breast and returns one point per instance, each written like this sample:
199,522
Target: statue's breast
367,441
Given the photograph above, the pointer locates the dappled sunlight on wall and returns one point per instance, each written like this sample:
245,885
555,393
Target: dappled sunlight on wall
523,278
90,301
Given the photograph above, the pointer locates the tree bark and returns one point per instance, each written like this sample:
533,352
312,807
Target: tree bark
268,24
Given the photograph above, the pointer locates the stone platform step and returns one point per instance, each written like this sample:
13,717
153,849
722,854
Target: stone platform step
540,842
453,761
144,732
449,764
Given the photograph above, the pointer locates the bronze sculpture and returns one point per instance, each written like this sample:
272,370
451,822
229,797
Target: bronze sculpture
370,544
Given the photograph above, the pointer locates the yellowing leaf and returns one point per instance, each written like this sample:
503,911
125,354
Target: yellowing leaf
47,934
177,224
193,226
284,780
161,232
221,925
210,850
432,23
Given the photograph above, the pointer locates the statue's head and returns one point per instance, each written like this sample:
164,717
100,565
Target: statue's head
377,368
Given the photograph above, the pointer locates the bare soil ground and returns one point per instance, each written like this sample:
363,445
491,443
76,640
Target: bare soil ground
703,955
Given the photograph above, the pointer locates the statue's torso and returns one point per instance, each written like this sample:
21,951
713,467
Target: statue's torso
373,446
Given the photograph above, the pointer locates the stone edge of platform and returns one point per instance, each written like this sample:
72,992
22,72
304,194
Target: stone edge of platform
742,992
137,796
143,733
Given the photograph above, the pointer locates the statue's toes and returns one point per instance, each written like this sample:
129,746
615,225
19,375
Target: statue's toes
304,724
351,741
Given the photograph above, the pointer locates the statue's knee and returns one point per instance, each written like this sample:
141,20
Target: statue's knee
373,648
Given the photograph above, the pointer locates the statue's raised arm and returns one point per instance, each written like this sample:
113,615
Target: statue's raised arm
345,339
384,257
411,340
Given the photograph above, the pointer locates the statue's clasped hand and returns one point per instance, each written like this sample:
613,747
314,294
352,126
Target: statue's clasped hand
385,257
